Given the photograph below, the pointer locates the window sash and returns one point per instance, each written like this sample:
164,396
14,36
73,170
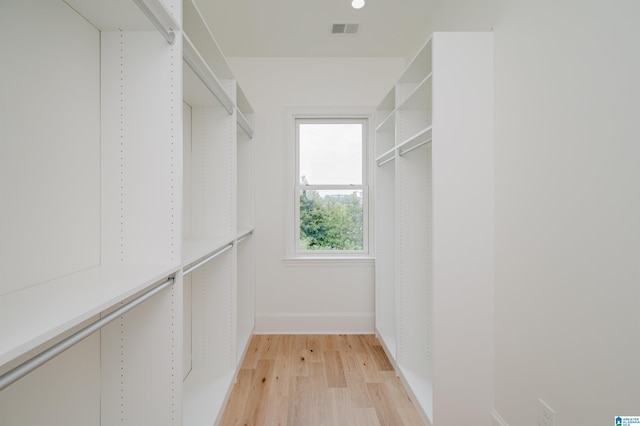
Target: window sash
294,116
337,120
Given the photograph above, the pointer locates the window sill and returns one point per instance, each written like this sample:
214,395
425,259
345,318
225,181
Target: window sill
329,260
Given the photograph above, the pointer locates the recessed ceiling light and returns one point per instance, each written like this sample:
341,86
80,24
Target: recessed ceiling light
357,4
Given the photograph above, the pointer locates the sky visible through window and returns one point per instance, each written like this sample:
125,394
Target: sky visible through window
331,153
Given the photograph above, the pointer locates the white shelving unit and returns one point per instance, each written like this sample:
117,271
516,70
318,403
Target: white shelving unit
120,160
419,145
218,216
93,126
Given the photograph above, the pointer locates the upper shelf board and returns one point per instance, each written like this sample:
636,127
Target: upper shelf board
419,67
39,313
202,38
124,15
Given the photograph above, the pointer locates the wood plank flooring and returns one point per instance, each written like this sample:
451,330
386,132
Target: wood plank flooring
312,380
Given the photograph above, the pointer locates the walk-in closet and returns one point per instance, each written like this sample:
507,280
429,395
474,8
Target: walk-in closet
336,212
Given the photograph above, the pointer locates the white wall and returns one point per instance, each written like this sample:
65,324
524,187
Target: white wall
37,178
567,205
304,298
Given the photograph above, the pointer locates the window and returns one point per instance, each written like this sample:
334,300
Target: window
331,192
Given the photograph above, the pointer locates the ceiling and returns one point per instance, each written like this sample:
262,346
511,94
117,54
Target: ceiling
395,28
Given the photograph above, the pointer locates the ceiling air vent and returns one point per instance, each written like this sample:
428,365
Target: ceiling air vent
344,28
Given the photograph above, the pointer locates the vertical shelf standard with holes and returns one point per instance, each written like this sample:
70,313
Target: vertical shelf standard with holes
434,192
245,223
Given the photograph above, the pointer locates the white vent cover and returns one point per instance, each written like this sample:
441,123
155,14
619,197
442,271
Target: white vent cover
344,28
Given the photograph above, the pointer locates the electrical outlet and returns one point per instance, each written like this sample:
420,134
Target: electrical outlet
546,415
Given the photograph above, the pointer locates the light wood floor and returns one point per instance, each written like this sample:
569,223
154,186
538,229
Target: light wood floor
310,380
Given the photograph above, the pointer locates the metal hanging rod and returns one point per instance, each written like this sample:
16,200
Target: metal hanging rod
244,237
160,18
55,350
388,160
416,146
207,259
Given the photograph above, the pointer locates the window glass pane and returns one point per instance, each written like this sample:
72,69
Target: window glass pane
331,220
330,153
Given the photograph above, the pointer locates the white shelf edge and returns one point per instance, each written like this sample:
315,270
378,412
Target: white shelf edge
204,397
46,311
244,123
414,59
242,101
197,63
194,24
194,249
400,106
389,98
414,91
126,15
385,120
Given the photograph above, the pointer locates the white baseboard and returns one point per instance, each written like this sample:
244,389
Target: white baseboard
497,420
315,324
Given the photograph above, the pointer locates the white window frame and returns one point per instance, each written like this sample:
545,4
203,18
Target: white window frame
291,117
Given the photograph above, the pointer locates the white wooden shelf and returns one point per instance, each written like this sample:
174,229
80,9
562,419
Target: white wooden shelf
243,102
244,124
42,312
205,74
204,396
388,104
419,67
124,15
195,93
218,168
419,98
387,122
245,112
202,37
